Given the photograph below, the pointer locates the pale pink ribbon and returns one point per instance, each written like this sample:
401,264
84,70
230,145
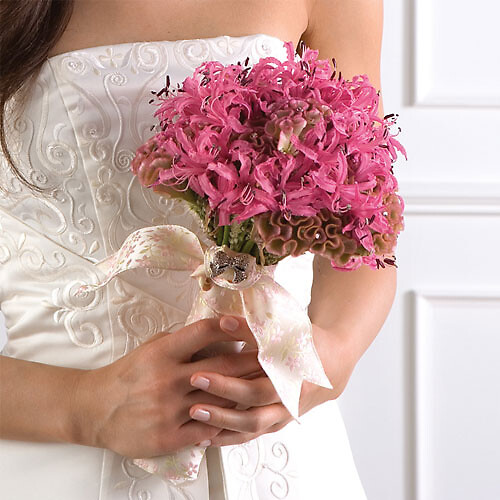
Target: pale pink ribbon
281,327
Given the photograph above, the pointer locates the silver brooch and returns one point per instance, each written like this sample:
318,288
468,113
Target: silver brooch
221,261
221,258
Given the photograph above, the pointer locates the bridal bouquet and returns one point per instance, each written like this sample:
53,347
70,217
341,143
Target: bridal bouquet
276,159
279,159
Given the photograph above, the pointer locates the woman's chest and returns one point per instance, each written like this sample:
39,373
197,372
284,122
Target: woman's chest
95,23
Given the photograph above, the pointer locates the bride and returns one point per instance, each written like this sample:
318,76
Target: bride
89,384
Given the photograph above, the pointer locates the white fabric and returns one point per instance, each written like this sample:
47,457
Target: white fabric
87,113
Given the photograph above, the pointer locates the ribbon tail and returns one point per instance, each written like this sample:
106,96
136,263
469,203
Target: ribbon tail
170,247
283,332
178,467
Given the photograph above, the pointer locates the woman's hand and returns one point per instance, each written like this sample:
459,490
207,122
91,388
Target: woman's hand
138,406
260,410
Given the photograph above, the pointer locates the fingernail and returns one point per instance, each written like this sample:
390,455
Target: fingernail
207,442
202,415
229,323
201,383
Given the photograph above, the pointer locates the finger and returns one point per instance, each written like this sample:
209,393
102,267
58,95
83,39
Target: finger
237,326
197,397
255,420
256,374
203,398
221,348
225,437
256,392
193,433
196,336
230,364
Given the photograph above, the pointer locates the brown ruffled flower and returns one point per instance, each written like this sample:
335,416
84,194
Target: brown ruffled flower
385,243
147,163
321,234
282,237
394,208
149,159
334,245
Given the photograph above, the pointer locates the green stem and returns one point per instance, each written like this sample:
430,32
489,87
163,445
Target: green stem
255,253
220,232
247,247
225,239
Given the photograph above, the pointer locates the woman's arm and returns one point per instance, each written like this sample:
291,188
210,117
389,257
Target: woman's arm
36,400
347,310
351,305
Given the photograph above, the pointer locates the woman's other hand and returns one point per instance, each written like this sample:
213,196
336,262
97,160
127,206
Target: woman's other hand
138,406
260,410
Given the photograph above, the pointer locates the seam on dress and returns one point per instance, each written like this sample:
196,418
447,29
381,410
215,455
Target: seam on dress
77,142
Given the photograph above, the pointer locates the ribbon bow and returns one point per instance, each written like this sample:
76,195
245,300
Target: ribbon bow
278,322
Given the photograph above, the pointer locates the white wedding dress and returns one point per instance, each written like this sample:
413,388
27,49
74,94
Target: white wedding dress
86,114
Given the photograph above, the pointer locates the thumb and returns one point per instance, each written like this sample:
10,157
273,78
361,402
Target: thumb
237,327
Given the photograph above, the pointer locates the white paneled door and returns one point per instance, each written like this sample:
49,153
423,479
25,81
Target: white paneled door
423,405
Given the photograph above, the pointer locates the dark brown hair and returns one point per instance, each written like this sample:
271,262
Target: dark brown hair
28,30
